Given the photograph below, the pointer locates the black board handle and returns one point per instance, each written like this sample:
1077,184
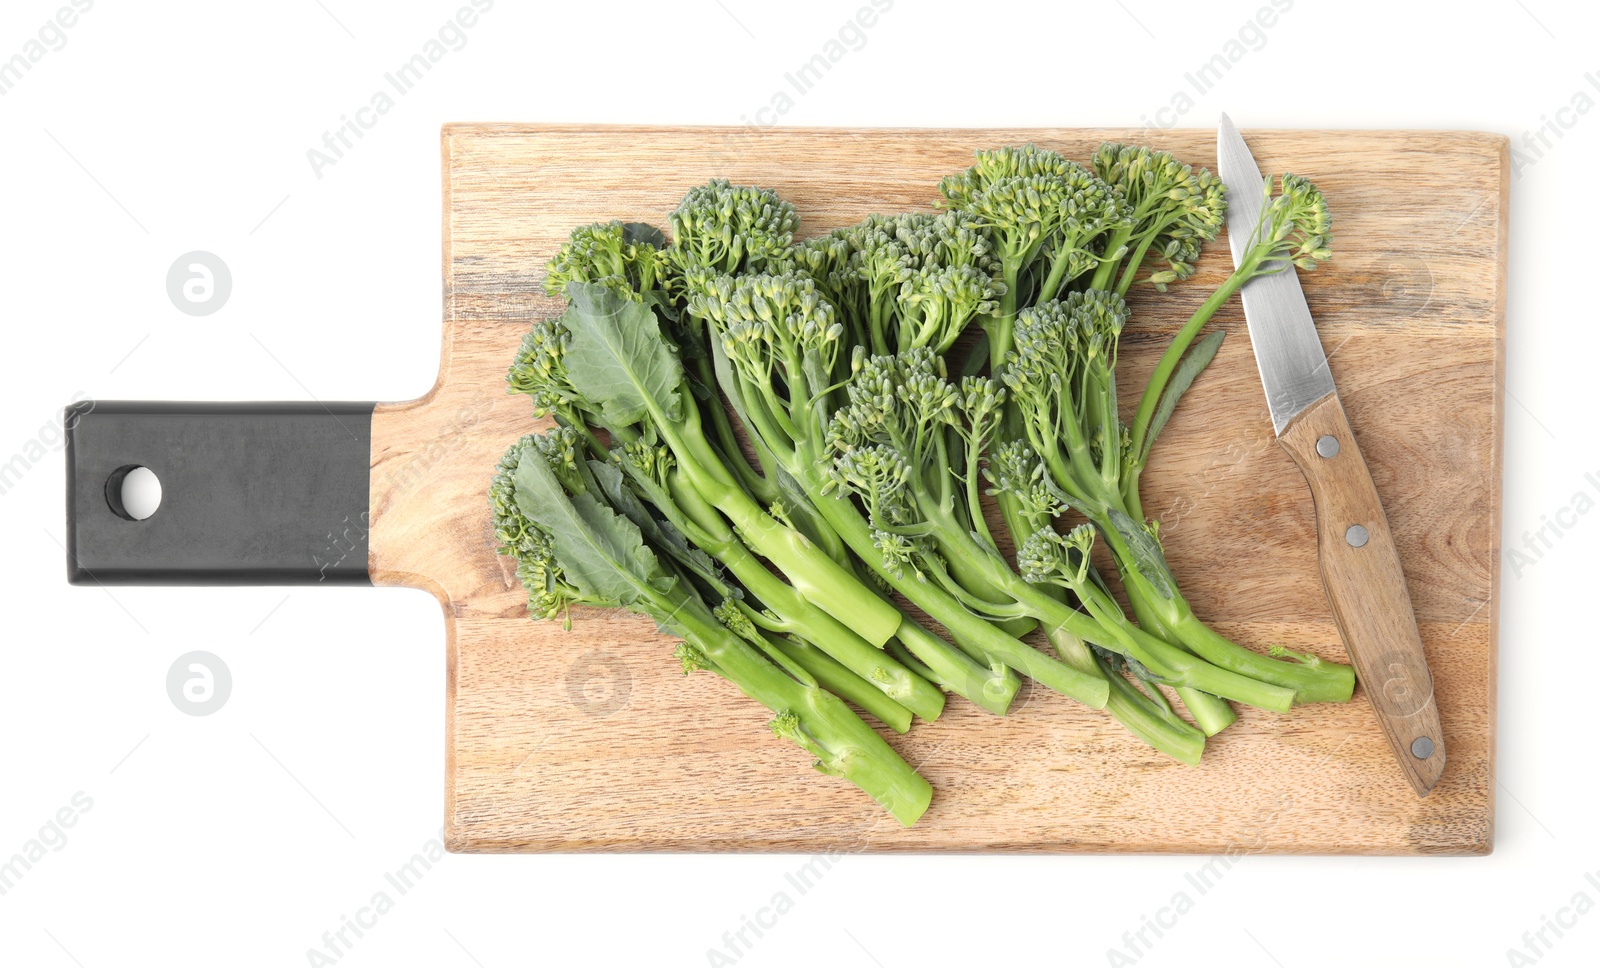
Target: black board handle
251,493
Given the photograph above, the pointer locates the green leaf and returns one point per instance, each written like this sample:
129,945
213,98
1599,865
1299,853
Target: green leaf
1148,559
723,369
661,534
619,358
1197,359
598,550
663,303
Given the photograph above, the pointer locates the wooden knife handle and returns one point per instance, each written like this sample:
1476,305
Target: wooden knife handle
1367,588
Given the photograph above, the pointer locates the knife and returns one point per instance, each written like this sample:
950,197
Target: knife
1355,549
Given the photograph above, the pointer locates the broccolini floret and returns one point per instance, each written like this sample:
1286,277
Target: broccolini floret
625,258
725,228
1048,217
1175,210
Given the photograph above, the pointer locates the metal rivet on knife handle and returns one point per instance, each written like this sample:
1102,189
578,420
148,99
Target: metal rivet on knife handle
1422,747
1328,445
1356,535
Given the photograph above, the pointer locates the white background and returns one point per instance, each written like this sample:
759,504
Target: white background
239,838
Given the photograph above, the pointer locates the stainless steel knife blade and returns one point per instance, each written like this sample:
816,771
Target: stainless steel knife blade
1294,370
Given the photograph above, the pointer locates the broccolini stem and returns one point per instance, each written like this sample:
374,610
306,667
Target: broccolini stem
760,488
816,575
974,491
1085,473
898,649
1319,681
813,574
1057,275
807,521
964,668
998,327
1108,268
1131,499
840,681
808,715
1175,350
1316,681
1154,722
1141,716
1105,487
1240,685
1114,632
1135,259
943,482
968,630
974,580
1211,714
1162,730
758,411
989,687
843,644
1105,395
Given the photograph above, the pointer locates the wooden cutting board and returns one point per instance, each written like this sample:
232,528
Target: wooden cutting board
591,739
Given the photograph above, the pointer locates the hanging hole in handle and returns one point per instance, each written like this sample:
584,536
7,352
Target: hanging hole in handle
134,492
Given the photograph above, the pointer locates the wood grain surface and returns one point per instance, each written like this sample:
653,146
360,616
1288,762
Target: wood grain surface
590,739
